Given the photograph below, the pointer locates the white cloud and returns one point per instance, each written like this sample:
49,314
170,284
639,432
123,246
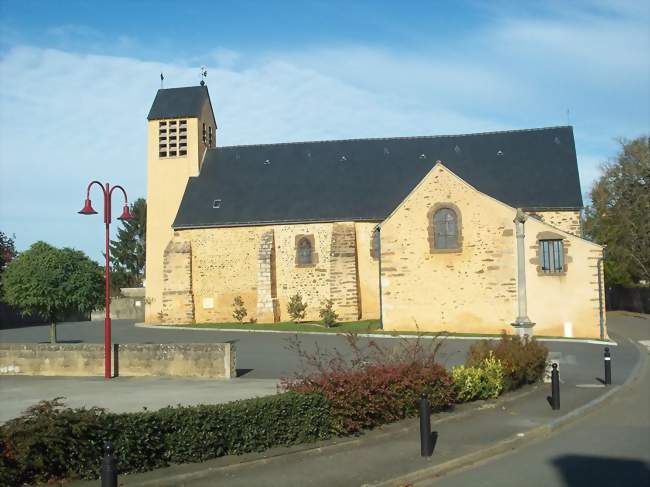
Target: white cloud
67,118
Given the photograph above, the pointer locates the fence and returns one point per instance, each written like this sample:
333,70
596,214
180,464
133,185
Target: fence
636,299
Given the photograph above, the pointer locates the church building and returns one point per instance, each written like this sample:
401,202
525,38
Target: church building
471,233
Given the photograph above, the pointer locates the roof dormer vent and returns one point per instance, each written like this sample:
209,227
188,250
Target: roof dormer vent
216,204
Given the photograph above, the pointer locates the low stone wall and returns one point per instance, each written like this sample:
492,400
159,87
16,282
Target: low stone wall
128,306
214,360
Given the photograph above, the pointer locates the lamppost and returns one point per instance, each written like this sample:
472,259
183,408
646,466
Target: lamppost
126,215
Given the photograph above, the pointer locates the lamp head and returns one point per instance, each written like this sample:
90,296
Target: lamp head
87,209
126,214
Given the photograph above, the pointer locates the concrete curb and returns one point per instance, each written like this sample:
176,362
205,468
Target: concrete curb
529,437
370,335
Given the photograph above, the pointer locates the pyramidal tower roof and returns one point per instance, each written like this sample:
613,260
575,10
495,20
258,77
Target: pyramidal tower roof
179,102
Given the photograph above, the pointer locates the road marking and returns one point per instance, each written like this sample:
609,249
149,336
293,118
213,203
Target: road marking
595,386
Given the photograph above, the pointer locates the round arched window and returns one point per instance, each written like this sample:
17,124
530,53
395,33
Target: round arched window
445,226
304,252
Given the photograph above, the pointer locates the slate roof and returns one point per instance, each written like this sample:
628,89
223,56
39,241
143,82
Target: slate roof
179,102
365,179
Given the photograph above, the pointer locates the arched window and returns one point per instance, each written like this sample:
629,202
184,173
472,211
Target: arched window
445,227
304,252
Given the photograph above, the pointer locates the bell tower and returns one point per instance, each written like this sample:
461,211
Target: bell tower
180,130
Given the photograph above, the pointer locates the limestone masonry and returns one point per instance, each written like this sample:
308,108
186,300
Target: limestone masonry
418,232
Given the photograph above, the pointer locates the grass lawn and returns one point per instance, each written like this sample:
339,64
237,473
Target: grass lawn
363,326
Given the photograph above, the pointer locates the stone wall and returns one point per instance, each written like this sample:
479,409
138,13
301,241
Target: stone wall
471,290
474,289
367,271
266,283
259,264
344,287
178,302
129,305
214,360
568,221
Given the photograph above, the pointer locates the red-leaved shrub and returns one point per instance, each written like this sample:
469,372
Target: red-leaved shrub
373,385
378,394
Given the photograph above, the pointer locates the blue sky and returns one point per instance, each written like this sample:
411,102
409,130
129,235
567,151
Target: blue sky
77,80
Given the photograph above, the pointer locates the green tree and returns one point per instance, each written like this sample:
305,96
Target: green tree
128,250
619,214
50,282
7,254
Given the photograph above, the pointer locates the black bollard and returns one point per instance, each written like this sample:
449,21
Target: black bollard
425,426
109,470
555,388
608,367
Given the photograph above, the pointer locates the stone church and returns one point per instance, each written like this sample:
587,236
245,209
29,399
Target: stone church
472,233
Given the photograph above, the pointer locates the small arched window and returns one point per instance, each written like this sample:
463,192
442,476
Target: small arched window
445,227
304,252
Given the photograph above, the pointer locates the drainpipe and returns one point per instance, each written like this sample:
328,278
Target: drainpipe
601,305
381,305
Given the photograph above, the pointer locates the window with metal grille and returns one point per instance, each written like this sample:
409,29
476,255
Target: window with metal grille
210,136
304,252
204,137
552,255
445,226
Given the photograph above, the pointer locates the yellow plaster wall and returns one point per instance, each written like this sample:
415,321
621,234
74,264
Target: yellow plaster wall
368,271
166,181
569,297
469,291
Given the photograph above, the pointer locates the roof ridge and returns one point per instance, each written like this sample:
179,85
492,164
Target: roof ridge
183,87
409,137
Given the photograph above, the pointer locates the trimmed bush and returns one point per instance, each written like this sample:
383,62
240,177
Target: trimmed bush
483,382
524,360
51,442
378,394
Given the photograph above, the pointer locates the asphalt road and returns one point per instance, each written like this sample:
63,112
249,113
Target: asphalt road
268,355
610,447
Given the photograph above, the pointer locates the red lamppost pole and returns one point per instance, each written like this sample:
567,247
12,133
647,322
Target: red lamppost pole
126,215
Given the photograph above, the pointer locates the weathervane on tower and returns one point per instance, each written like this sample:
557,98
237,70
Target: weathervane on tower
204,74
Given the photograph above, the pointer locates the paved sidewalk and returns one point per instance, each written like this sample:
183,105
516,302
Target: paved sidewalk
123,394
392,452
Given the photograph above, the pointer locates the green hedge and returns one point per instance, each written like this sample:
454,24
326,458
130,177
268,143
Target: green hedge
51,442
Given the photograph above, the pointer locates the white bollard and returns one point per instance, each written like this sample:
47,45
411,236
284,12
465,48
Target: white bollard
568,329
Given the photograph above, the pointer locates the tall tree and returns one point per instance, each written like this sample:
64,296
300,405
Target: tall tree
7,254
52,283
619,214
128,250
